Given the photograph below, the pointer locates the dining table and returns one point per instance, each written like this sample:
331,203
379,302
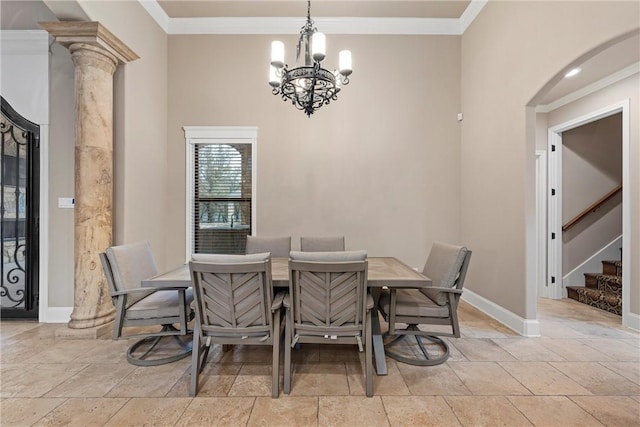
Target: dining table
383,272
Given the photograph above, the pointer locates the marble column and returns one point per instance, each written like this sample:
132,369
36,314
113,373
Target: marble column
96,53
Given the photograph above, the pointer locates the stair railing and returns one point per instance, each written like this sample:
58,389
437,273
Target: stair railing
594,207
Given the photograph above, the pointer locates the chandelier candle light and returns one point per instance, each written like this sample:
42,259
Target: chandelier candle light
308,86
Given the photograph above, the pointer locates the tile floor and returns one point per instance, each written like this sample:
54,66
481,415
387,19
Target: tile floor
583,371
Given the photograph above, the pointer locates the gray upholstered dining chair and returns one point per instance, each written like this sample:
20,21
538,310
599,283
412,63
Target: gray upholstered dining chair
322,244
125,266
234,305
328,303
447,267
279,247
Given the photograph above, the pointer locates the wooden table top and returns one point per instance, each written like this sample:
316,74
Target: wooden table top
383,271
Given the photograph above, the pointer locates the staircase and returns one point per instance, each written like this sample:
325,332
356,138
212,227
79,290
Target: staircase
601,290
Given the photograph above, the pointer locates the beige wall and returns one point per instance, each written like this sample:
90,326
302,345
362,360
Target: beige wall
379,165
61,177
140,132
622,90
508,55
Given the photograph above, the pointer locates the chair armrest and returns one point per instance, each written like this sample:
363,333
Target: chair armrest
146,289
277,301
447,290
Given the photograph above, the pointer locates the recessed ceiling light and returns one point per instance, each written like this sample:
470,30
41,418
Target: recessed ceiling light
573,72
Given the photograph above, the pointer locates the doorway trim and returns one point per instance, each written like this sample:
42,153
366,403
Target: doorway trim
554,205
542,284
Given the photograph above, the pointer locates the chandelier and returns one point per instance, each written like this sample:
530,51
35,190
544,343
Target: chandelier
308,86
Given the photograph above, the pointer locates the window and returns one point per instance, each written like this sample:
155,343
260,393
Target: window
221,181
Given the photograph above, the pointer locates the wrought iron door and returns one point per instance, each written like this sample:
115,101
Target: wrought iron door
19,214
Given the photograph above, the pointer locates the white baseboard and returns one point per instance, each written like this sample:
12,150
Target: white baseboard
57,315
525,327
632,321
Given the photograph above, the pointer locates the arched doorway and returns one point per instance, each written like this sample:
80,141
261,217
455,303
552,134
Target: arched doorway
600,97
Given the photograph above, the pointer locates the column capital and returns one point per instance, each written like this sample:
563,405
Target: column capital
92,33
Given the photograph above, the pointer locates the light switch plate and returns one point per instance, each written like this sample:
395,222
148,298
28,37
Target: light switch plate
66,202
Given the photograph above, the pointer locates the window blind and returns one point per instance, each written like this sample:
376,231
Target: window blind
222,198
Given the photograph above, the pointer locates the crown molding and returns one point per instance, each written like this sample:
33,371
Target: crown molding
398,26
338,25
470,14
157,13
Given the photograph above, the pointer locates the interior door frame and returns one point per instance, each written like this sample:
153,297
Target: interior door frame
554,201
542,284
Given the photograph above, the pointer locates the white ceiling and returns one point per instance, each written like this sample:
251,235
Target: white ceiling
324,8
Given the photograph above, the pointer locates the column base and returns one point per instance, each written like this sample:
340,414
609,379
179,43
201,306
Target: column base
89,317
86,333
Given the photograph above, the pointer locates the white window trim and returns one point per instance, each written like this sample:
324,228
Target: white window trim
217,135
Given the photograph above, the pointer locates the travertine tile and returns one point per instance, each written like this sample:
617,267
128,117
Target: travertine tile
285,411
351,411
215,380
390,384
248,354
611,410
455,355
25,380
485,329
616,349
527,349
597,379
11,329
432,380
486,411
329,353
62,351
553,411
319,379
252,380
304,353
559,329
24,411
595,329
150,412
487,378
543,379
94,381
629,370
16,351
105,351
217,411
83,412
482,350
573,350
333,374
148,381
419,411
209,386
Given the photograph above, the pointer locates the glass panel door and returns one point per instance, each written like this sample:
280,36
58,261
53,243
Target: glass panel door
19,215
